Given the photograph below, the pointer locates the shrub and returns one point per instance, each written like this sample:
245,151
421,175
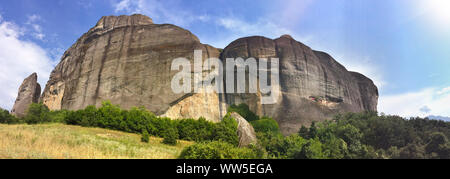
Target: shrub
312,149
195,130
6,118
266,125
170,136
109,116
37,113
304,132
226,131
217,150
58,116
138,119
145,136
279,146
244,111
438,147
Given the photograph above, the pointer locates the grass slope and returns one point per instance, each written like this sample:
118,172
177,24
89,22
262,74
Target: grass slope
58,141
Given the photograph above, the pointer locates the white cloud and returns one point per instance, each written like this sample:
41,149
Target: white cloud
36,29
18,59
260,27
239,28
124,5
411,104
444,91
166,12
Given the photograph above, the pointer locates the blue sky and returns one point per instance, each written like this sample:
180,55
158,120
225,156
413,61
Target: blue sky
402,45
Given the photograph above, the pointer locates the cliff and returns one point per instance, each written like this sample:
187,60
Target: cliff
29,92
313,86
127,60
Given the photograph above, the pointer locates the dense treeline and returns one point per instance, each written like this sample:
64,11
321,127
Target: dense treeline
347,136
135,120
6,118
353,136
363,135
396,137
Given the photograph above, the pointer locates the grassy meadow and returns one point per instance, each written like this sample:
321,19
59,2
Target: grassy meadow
59,141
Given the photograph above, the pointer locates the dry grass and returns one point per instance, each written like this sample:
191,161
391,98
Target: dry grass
58,141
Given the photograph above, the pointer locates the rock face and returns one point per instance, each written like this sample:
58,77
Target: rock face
314,86
29,92
245,131
127,60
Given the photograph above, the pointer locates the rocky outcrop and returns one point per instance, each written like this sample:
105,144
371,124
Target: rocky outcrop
368,91
314,87
127,60
195,106
29,92
245,131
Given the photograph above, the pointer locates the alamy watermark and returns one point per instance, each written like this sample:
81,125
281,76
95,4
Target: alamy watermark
237,72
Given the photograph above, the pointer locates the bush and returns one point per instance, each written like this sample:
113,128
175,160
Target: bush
196,130
217,150
145,136
244,111
6,118
58,116
109,116
170,136
279,146
138,119
37,114
226,131
265,125
438,147
313,149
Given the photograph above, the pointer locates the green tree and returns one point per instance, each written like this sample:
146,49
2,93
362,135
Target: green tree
217,150
312,130
438,147
313,149
171,136
37,113
89,116
412,151
304,132
226,131
109,116
244,111
265,124
6,118
145,137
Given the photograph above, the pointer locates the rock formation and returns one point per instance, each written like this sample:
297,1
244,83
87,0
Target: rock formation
246,132
314,86
127,60
29,92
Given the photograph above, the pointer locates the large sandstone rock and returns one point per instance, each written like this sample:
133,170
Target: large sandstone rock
245,130
314,87
127,60
29,92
